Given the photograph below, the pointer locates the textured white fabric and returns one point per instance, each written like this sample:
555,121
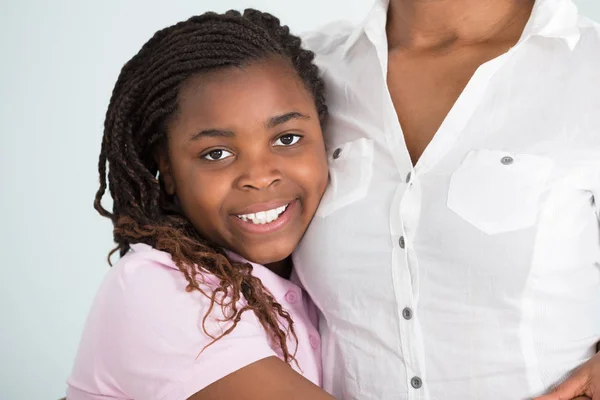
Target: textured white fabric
500,255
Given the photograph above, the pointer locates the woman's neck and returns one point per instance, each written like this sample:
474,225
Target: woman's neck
434,24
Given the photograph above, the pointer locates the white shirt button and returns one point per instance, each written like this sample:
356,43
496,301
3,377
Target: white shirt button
337,153
507,160
416,382
402,242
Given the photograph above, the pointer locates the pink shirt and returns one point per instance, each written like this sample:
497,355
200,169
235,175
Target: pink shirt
144,339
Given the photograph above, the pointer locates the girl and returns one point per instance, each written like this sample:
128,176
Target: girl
216,165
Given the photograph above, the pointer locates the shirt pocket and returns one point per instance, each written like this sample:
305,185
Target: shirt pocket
350,173
497,191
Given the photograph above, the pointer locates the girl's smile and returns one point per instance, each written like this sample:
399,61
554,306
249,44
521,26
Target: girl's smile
268,220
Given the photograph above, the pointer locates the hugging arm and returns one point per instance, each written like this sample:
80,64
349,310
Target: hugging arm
266,379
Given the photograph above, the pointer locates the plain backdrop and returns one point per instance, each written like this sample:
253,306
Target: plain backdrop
58,63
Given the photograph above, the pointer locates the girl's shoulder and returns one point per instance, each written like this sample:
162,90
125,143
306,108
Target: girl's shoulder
145,266
147,286
147,337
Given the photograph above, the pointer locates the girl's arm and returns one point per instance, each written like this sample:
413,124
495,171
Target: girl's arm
266,379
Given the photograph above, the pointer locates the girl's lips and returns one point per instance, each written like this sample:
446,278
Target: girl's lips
279,223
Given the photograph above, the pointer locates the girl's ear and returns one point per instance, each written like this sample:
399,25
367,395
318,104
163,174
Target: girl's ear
161,157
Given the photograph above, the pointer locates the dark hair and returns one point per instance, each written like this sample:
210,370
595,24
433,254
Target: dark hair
143,99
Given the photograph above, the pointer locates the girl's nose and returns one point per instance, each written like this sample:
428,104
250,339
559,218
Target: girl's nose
260,173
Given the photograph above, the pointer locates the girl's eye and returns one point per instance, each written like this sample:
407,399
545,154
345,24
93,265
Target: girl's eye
287,140
216,155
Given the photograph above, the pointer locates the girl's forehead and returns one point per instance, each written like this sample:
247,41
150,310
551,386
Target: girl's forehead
254,91
274,70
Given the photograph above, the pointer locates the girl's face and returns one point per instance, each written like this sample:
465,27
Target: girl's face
246,158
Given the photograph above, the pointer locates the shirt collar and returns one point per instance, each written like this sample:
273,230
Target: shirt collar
553,19
374,23
277,285
549,18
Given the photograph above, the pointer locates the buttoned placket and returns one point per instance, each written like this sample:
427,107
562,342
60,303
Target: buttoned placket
406,206
404,264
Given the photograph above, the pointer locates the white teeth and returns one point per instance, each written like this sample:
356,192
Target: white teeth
263,217
272,215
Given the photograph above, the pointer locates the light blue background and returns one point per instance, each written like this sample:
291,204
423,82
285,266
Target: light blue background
58,63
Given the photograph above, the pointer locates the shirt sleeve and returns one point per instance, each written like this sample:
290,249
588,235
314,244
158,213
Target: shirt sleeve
144,337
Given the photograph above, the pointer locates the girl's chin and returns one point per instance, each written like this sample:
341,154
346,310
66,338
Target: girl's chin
267,253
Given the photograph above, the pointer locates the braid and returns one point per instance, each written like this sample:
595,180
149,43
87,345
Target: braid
143,100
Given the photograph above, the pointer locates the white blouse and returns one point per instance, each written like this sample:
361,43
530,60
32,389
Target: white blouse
476,273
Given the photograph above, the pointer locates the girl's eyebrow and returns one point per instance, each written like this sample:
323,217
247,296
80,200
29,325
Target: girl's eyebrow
212,133
271,123
282,119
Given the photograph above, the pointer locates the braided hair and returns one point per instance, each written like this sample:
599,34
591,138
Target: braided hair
143,100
